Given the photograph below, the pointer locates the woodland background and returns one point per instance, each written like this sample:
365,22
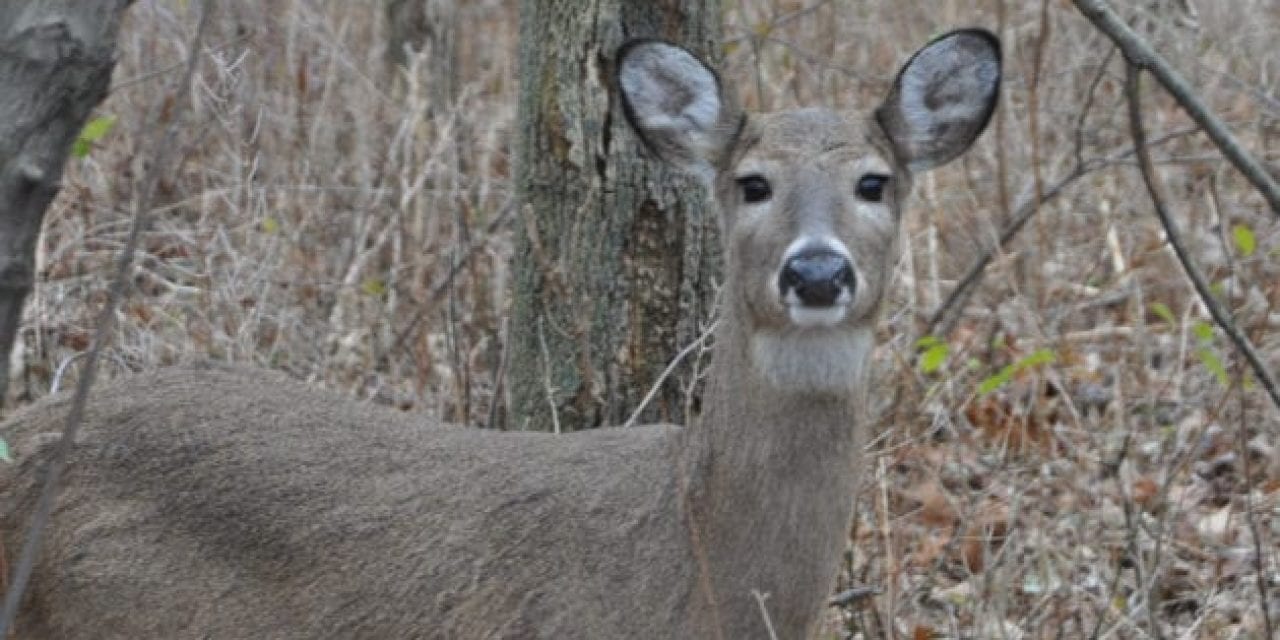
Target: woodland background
1076,451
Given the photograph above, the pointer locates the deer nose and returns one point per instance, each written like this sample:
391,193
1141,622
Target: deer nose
816,278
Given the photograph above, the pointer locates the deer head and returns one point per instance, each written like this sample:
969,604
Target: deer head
810,199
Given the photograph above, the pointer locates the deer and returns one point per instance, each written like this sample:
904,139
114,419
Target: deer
214,501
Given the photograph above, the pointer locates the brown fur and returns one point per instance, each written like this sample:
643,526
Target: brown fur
211,501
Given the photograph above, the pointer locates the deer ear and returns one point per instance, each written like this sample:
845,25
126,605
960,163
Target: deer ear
943,98
675,103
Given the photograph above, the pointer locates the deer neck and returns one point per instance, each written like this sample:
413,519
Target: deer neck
768,475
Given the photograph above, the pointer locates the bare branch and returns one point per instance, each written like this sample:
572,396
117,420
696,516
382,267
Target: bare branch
1133,92
666,373
1251,516
1138,52
456,265
764,613
855,594
1089,96
942,319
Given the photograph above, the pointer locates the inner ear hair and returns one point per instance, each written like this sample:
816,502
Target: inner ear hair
943,98
674,101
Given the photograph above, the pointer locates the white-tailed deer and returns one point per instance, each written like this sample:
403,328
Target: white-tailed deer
213,502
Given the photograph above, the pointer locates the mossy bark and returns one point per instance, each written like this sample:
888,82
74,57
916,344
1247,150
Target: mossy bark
56,58
616,257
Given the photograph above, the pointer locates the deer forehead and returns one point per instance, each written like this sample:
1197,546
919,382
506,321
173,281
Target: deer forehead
812,159
792,139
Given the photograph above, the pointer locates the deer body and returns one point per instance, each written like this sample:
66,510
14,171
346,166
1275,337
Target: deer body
226,503
368,524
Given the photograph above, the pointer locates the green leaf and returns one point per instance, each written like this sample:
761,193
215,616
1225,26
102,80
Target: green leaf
933,353
1203,331
95,130
374,287
4,451
1214,365
995,382
269,225
934,358
1161,309
1035,358
1246,244
1120,603
98,127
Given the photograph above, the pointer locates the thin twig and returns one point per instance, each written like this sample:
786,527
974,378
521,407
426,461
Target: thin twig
499,376
164,71
1242,432
783,19
942,318
1133,91
1002,148
1250,517
1138,52
854,594
1137,561
102,334
1033,132
764,613
443,287
1089,96
548,387
1259,560
882,509
666,373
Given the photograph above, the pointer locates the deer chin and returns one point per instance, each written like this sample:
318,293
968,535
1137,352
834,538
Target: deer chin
810,360
817,317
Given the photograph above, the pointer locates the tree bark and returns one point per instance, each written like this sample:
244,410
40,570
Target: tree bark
56,58
616,257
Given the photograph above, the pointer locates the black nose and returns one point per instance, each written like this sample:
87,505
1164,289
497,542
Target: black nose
817,277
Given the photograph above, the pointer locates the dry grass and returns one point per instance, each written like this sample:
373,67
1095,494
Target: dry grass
319,218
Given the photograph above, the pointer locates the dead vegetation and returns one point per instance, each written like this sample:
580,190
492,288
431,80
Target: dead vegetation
1074,452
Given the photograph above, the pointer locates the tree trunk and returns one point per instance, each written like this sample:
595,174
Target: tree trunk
616,258
56,58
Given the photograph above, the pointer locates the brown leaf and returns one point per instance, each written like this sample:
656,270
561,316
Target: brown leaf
75,340
973,552
936,508
1144,490
1000,426
985,531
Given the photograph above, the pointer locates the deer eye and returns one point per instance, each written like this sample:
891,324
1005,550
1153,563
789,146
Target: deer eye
871,187
754,188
